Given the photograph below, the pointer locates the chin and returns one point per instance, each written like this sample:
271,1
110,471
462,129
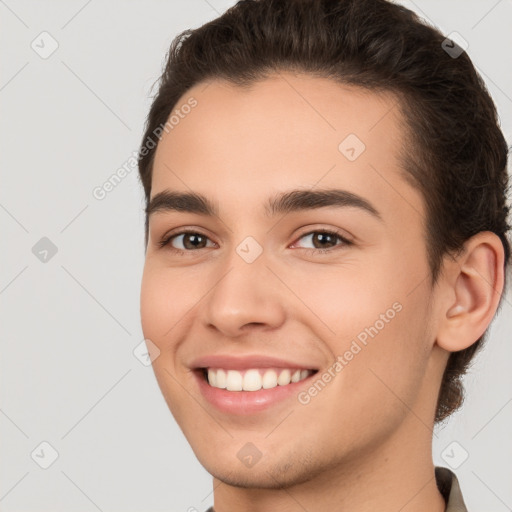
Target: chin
252,478
277,473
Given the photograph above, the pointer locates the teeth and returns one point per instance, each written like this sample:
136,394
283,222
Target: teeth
269,379
284,378
212,377
234,381
254,379
220,378
296,376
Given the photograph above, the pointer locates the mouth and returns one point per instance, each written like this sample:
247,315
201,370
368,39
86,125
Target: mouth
251,391
253,379
249,384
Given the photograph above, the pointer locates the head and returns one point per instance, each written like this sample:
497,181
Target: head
313,96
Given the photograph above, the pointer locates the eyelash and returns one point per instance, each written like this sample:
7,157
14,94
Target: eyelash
165,241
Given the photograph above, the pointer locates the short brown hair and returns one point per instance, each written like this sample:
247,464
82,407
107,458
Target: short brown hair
456,153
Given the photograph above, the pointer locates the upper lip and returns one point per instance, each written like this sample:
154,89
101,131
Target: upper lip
230,362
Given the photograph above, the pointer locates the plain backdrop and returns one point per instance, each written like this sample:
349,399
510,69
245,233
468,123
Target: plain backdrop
74,90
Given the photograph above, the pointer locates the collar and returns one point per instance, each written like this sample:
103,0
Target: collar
449,487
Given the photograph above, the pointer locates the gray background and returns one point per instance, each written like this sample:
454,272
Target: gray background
69,325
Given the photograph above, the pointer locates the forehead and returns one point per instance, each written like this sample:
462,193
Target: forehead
241,143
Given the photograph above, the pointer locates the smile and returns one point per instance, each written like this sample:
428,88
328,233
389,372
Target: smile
254,379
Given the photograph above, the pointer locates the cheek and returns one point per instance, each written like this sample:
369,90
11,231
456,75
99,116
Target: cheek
165,298
163,308
371,319
341,300
392,347
153,301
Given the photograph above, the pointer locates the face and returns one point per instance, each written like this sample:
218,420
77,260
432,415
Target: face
311,269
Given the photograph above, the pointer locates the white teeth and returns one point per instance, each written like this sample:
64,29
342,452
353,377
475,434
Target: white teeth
296,376
220,378
254,379
269,379
234,381
284,378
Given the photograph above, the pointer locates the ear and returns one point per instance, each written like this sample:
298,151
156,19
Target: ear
472,286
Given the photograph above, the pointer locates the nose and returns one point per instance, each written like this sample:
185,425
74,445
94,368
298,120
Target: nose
248,296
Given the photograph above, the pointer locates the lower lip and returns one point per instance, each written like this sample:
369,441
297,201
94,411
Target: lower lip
248,402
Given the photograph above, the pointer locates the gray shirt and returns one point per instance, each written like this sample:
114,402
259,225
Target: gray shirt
448,486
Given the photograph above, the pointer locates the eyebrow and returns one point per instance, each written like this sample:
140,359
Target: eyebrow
287,202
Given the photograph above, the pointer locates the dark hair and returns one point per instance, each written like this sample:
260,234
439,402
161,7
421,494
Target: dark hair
459,155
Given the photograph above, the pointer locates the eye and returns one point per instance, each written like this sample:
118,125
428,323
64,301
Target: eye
324,240
190,240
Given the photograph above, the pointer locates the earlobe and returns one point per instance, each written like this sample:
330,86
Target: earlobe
474,283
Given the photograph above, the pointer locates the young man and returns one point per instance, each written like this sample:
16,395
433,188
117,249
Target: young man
326,248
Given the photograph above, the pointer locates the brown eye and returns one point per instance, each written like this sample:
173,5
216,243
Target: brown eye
188,240
193,241
324,240
321,240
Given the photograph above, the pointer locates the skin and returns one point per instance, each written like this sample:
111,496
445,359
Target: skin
364,442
